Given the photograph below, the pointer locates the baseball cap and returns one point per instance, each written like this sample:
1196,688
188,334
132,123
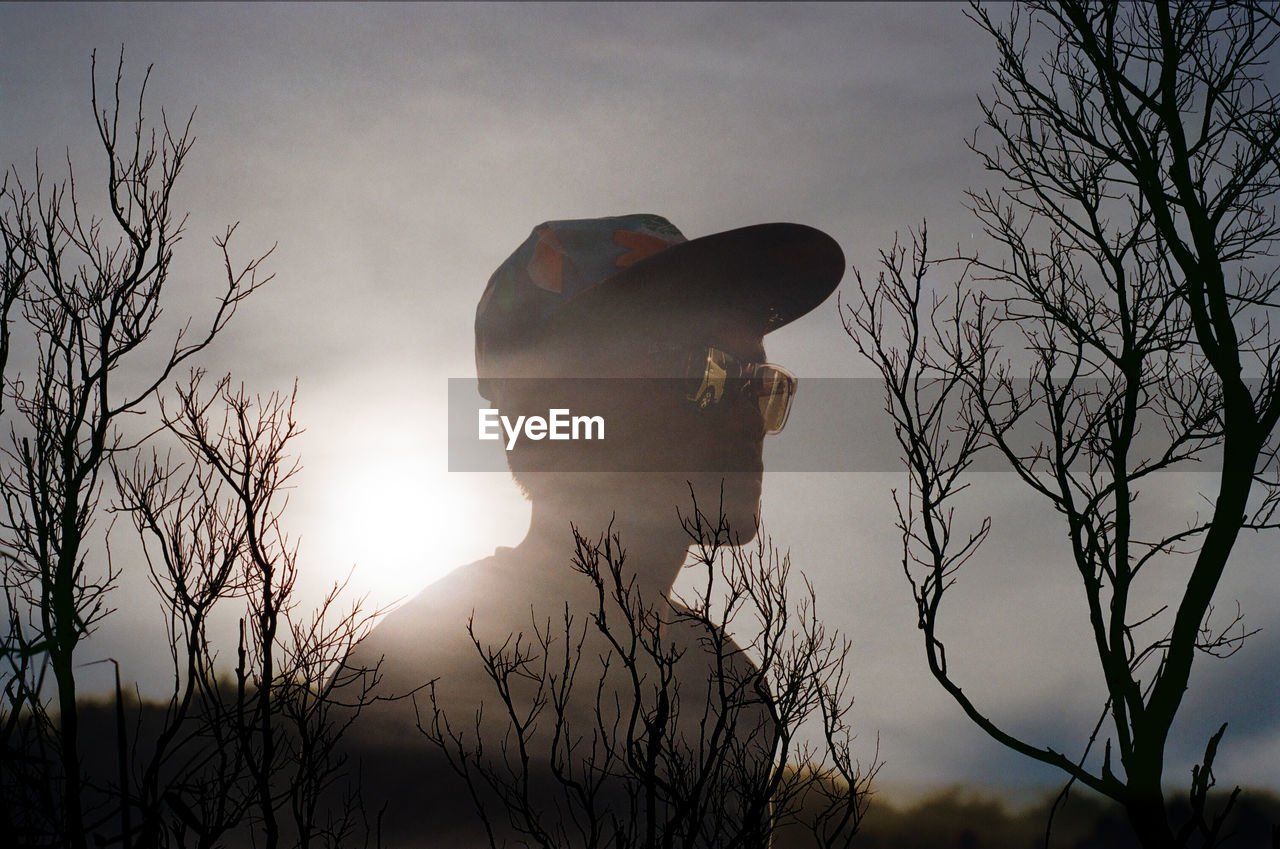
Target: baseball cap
582,270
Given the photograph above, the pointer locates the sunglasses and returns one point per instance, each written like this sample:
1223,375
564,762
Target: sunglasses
714,375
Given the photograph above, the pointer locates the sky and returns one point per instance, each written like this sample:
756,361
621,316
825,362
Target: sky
395,154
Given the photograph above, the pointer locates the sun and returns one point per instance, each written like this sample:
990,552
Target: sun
375,504
390,520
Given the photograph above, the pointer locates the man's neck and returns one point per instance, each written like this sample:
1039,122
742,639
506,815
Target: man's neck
651,541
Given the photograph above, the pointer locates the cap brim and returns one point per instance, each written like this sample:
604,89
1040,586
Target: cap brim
773,272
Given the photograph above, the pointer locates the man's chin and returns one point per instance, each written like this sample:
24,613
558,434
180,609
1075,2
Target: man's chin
743,524
742,515
735,497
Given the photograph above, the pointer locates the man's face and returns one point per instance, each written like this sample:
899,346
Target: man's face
639,374
715,446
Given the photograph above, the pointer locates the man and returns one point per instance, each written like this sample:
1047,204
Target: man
571,701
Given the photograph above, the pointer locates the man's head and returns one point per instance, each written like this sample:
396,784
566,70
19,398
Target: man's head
660,336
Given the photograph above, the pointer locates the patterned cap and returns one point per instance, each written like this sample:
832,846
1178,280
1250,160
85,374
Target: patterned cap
644,258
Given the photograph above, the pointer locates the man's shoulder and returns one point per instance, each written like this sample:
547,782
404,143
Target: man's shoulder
462,586
444,605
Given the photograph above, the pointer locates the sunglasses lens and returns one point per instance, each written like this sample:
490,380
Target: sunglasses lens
709,373
774,390
712,373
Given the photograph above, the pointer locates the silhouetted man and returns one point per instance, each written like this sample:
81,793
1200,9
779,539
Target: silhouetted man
661,338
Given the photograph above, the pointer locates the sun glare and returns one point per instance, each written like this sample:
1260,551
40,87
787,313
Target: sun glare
394,522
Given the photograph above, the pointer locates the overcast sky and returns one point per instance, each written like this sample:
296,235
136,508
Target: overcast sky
396,154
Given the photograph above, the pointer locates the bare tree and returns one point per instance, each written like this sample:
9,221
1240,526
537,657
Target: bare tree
241,752
193,543
91,303
614,733
1137,220
254,745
